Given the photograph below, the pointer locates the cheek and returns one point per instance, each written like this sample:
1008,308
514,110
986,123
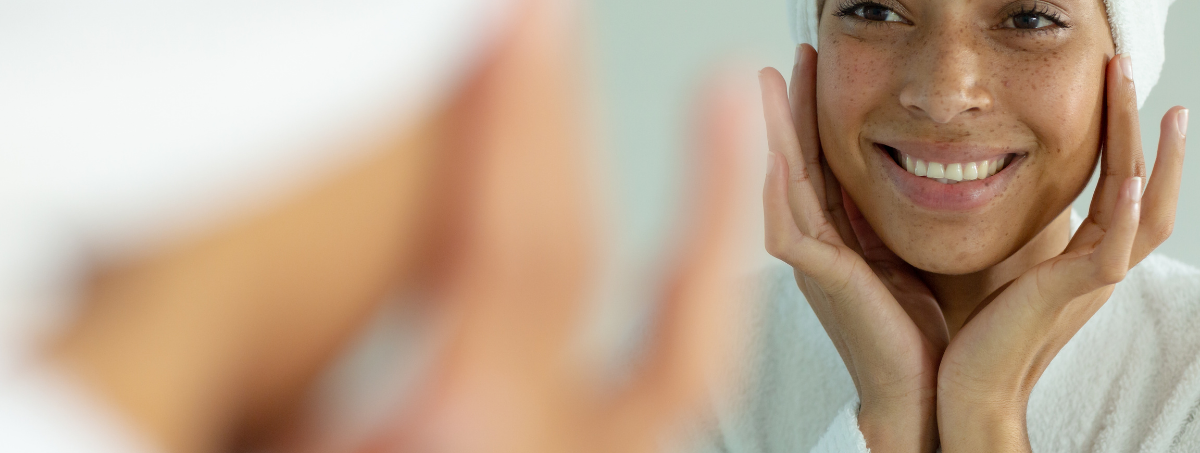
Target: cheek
853,80
1060,97
849,74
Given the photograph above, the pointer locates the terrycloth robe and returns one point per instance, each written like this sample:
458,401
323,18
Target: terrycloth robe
1129,380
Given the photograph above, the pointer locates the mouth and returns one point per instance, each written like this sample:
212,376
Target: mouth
950,173
939,181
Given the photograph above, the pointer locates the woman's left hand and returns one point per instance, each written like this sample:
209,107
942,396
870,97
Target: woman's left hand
992,364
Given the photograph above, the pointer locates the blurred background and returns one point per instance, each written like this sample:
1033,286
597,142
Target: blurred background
652,53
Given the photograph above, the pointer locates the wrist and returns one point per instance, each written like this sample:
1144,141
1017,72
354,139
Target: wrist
971,426
899,426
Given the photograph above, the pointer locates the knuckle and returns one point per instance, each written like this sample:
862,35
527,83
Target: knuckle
1110,274
783,251
839,288
800,176
1162,231
777,253
775,248
813,161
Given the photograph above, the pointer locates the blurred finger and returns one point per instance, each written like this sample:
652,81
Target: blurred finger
699,321
1162,192
513,298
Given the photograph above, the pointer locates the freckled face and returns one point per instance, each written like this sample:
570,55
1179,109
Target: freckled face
913,95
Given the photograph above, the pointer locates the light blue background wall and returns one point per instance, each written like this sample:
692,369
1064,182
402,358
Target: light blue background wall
652,53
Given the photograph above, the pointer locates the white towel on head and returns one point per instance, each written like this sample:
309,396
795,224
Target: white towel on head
1137,29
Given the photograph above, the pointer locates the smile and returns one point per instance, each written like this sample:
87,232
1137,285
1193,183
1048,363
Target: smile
949,173
949,177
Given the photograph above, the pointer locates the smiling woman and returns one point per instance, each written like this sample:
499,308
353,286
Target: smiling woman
919,190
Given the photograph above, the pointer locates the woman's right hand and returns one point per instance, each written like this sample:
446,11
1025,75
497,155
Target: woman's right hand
882,318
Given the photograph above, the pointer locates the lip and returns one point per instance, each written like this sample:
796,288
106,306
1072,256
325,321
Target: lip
947,152
963,196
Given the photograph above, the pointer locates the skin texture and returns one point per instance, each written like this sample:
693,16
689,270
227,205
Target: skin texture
954,77
946,318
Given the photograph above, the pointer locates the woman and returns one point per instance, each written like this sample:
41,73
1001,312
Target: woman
919,187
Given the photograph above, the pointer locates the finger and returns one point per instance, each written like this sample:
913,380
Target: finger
835,209
784,240
1122,157
699,321
513,296
873,248
804,113
1109,262
803,93
1162,192
806,207
1111,258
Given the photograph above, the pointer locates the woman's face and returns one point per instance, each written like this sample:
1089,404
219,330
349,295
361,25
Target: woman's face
915,94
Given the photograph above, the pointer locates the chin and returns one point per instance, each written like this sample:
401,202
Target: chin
952,247
968,262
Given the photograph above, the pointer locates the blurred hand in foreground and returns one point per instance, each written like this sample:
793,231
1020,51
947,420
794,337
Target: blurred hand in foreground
515,378
213,344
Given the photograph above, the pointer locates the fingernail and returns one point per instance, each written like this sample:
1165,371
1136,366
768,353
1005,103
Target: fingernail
1126,64
770,162
1182,118
1137,196
797,55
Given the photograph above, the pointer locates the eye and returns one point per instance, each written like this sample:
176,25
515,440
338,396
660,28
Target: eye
1034,17
869,11
1029,21
877,12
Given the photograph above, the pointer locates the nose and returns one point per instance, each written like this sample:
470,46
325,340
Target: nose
946,78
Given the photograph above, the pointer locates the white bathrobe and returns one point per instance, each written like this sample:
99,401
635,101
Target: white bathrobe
1128,381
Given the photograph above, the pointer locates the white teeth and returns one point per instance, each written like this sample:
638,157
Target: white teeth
936,170
953,173
970,171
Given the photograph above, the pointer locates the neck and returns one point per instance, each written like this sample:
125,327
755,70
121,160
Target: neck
960,295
